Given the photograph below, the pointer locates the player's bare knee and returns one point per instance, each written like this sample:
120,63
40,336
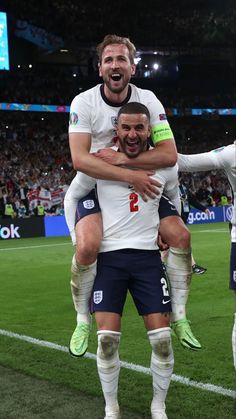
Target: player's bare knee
87,254
108,343
88,245
184,238
181,238
175,233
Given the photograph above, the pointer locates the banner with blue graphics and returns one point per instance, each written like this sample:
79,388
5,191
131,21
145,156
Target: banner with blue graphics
216,215
55,226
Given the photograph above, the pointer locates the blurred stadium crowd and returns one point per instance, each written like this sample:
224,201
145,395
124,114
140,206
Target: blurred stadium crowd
201,23
60,86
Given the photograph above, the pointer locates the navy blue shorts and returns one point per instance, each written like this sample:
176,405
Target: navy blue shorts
138,271
87,205
232,281
166,208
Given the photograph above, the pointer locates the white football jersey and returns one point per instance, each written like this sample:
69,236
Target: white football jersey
92,113
223,158
128,221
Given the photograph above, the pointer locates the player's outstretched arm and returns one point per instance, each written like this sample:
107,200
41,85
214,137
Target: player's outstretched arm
163,155
197,162
86,162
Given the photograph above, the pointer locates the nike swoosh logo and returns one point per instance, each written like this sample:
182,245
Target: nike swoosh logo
165,302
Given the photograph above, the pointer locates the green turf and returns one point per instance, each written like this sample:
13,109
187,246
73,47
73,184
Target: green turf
35,301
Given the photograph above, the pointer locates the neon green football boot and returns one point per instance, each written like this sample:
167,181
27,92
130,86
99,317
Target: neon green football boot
79,339
183,332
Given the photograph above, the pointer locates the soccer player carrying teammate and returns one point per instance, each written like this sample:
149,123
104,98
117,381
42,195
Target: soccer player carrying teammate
93,116
221,158
129,259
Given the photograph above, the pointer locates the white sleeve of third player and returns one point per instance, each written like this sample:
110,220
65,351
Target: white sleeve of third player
198,162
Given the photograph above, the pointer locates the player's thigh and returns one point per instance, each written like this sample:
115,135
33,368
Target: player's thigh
174,232
89,232
156,320
108,321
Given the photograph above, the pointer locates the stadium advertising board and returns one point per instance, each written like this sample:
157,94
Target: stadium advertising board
216,215
56,226
17,228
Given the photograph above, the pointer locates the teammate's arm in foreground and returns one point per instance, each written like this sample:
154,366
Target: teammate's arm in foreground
163,155
86,162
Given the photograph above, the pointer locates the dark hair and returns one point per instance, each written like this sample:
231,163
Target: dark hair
116,39
134,107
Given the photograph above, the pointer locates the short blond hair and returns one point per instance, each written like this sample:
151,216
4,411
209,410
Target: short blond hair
116,39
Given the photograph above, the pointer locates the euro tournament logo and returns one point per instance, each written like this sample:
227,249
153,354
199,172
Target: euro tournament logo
74,119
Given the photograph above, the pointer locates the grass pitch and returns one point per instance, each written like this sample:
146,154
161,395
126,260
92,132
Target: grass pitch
41,382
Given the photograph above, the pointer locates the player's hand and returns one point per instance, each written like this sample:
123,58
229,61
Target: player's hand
207,211
144,184
111,156
161,244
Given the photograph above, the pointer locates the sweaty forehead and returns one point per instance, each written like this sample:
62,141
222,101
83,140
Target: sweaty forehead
133,119
114,50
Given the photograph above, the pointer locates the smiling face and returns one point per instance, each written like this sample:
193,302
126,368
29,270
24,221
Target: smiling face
133,131
116,69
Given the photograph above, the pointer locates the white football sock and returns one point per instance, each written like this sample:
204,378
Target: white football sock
108,365
162,364
82,280
234,341
179,272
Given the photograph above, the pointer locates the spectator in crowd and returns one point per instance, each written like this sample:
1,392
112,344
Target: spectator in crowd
2,195
203,195
22,211
60,209
22,193
9,209
39,210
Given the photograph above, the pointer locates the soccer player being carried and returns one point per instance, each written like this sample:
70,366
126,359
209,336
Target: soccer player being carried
93,116
129,260
223,158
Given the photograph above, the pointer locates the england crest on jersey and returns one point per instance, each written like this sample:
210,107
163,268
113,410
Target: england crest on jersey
114,121
89,204
97,297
